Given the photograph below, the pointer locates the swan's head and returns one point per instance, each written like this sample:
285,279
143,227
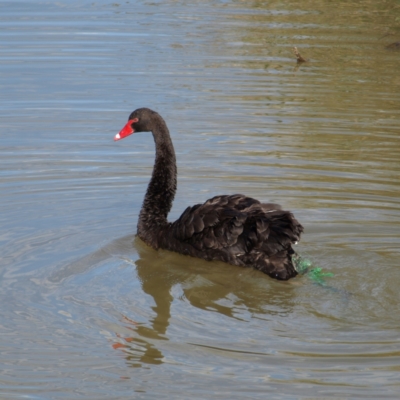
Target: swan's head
140,120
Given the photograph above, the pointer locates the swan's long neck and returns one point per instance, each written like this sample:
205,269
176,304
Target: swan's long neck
162,187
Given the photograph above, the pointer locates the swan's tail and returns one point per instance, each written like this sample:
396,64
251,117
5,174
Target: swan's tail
278,266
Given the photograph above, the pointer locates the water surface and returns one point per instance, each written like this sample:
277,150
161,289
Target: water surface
88,310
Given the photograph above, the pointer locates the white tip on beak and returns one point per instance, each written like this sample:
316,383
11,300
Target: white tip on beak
117,137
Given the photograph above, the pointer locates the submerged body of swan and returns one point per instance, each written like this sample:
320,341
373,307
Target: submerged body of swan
235,228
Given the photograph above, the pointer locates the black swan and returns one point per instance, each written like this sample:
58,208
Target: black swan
235,229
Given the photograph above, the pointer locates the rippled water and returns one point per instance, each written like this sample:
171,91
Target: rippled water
89,311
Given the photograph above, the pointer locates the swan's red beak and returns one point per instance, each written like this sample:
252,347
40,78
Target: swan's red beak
126,130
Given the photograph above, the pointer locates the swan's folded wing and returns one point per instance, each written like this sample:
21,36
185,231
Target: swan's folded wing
239,222
216,224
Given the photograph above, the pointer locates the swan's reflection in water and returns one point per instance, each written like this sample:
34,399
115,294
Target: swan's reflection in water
168,277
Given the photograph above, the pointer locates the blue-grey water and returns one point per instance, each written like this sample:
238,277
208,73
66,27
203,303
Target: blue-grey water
87,310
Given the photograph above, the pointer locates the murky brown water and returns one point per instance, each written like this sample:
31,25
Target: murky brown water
87,310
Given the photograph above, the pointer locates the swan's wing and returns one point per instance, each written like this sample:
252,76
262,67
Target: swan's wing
215,224
276,231
237,222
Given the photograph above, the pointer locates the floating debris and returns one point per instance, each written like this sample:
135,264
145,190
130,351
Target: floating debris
300,59
394,46
305,267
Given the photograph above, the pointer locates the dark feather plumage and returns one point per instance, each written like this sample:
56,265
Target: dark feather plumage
235,229
238,230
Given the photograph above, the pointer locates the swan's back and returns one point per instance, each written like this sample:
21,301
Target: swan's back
238,230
